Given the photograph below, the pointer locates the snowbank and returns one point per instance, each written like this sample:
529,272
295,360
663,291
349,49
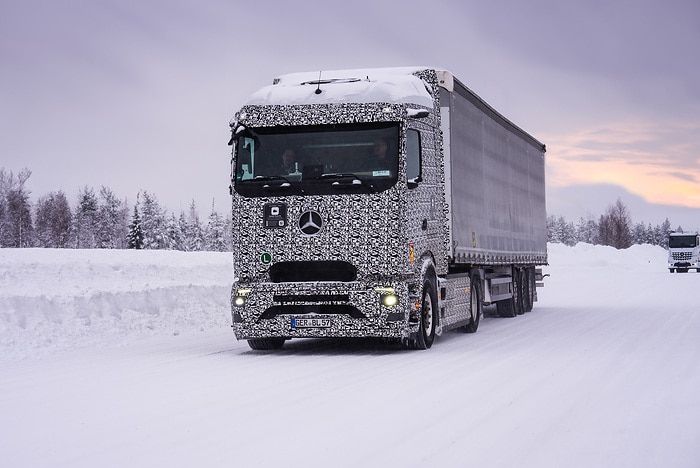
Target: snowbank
58,299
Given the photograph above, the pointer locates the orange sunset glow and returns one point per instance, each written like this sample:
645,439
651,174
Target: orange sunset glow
643,158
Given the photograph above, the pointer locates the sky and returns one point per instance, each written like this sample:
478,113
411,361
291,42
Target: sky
137,95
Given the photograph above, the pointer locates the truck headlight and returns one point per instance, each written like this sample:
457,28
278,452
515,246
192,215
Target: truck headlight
239,299
388,296
390,300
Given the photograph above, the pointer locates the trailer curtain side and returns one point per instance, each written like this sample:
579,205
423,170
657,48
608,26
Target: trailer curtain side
496,184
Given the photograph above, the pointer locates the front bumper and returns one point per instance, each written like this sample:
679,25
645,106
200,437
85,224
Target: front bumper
326,309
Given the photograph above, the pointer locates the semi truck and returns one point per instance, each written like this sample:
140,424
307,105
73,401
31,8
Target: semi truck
404,205
683,252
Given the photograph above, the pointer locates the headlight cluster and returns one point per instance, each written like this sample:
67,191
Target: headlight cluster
387,296
241,296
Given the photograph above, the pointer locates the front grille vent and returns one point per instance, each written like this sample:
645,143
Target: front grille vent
295,272
316,309
682,255
296,298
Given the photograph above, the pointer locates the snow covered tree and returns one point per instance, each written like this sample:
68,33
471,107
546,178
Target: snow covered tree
176,238
111,221
85,220
153,223
559,230
135,236
16,227
661,233
18,219
53,220
215,233
615,226
194,236
587,230
552,229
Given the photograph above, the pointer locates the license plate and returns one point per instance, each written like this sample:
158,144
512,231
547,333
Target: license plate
311,323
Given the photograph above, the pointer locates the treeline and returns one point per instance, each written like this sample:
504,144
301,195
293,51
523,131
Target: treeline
614,228
102,221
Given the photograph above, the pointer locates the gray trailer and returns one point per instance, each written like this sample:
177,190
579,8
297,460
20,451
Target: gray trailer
497,212
390,203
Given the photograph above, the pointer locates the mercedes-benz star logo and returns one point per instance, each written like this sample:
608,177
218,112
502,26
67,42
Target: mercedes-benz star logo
310,223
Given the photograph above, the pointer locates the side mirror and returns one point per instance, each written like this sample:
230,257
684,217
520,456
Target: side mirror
417,113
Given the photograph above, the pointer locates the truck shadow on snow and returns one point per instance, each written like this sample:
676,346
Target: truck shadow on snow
334,346
362,346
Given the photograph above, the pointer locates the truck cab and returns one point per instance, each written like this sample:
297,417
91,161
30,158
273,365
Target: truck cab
683,252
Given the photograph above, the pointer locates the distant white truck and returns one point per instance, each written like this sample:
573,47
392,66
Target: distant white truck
683,252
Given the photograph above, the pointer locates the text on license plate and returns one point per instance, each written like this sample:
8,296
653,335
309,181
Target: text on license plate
311,323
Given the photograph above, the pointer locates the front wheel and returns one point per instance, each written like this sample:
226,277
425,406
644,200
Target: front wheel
428,317
266,344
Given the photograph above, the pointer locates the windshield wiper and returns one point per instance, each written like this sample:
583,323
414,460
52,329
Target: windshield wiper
356,182
286,183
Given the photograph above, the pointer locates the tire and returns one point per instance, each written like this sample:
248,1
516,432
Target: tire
428,316
506,308
671,270
475,304
529,289
519,290
266,344
514,306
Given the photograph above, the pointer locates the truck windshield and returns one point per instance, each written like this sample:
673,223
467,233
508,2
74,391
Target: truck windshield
682,242
312,160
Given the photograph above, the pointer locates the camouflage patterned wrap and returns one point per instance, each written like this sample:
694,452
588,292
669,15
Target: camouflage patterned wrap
386,237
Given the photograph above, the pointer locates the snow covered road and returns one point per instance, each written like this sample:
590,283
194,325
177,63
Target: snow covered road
604,372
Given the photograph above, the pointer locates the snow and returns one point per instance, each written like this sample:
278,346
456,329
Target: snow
125,358
390,85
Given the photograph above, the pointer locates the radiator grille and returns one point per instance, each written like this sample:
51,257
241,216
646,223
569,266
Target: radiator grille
294,272
682,256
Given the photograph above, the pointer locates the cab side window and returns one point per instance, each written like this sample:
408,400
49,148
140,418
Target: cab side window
413,158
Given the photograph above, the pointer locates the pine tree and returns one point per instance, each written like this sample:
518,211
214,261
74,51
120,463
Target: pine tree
194,237
587,230
214,234
639,233
182,225
661,233
85,220
135,236
53,220
552,231
568,232
155,234
111,221
176,239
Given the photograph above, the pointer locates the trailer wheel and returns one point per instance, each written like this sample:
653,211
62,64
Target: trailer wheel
506,308
428,317
529,289
514,305
519,290
266,344
475,304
